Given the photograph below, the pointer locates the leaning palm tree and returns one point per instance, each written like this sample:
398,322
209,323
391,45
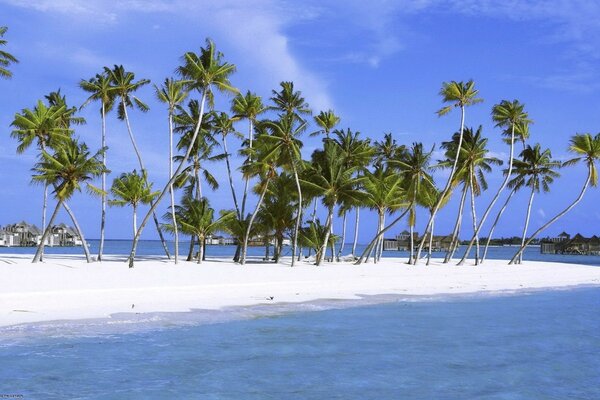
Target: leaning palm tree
5,57
460,95
285,144
335,182
222,124
70,166
132,189
508,115
196,218
100,89
125,86
587,149
172,93
248,106
535,169
326,121
202,72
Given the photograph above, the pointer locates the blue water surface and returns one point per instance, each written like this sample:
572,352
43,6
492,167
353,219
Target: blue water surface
540,345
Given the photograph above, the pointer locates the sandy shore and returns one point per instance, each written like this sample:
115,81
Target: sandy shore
67,288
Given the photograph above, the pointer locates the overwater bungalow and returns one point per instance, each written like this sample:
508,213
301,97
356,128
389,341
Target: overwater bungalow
565,244
402,242
23,234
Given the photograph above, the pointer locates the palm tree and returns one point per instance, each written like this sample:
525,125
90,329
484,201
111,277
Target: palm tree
314,235
474,163
386,195
290,102
248,106
172,93
196,218
202,72
587,149
286,145
535,169
5,58
508,115
223,124
66,170
100,89
125,86
132,189
429,198
326,121
415,169
460,95
336,183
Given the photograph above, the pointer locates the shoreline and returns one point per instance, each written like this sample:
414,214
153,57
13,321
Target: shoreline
66,288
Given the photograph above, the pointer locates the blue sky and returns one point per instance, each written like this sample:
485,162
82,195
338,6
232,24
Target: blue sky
379,64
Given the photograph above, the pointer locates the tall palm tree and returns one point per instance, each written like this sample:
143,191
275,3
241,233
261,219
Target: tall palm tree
474,163
335,181
125,86
535,169
508,115
101,89
202,72
172,93
415,169
248,106
290,102
285,144
5,57
70,166
326,121
196,218
131,189
223,125
587,149
460,95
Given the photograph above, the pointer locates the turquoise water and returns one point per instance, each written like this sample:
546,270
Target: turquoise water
542,345
154,247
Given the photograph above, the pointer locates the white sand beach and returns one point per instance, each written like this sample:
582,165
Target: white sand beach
64,287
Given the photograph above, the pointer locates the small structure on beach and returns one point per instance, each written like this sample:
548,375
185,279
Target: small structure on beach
402,242
23,234
565,244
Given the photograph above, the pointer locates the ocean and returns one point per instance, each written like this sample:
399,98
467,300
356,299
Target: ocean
536,345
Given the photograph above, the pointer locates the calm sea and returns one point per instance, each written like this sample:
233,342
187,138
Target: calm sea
154,247
540,345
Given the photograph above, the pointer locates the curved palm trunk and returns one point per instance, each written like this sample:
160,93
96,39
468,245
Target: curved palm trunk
250,137
323,250
557,217
235,202
341,249
495,199
86,250
313,219
44,210
103,201
430,243
527,216
487,243
457,226
38,254
134,220
251,221
356,222
171,190
139,157
474,215
448,184
372,243
166,188
299,216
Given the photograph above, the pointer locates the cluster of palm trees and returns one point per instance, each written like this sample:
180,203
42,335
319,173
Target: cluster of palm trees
347,173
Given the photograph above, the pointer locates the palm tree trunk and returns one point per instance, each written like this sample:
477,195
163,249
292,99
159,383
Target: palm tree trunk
474,215
171,190
86,250
250,136
103,206
322,252
341,249
166,188
372,243
493,202
139,157
237,208
251,221
411,243
44,208
412,219
200,249
487,243
40,249
134,220
313,219
297,226
381,242
355,241
429,251
380,237
527,216
557,217
457,225
190,255
448,183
